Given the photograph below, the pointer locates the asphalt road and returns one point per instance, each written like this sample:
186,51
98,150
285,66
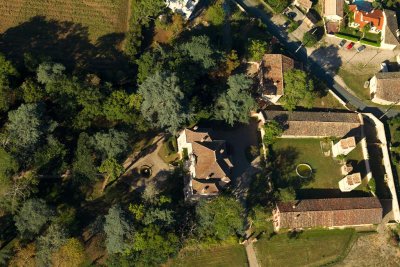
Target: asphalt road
251,8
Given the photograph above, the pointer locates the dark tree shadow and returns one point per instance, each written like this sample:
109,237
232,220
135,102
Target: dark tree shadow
67,43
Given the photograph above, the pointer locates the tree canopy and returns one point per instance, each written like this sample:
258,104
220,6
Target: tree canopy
235,105
220,218
299,88
163,101
119,231
272,130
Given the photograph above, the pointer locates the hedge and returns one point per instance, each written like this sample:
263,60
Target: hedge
372,43
348,37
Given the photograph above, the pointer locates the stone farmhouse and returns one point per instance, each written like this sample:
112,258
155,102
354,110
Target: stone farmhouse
208,163
271,75
332,212
385,88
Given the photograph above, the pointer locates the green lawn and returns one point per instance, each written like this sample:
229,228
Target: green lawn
311,248
327,101
356,82
218,256
326,169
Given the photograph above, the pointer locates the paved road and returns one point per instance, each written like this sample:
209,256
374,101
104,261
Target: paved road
251,7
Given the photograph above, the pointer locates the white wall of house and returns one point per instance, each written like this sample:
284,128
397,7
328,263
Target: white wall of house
333,18
272,98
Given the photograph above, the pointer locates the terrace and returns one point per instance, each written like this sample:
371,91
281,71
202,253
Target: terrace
289,153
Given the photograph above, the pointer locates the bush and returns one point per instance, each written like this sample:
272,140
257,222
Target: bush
215,14
347,37
372,185
293,26
278,5
371,43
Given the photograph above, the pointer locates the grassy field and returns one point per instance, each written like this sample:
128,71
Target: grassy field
356,82
327,101
219,256
311,248
326,169
100,16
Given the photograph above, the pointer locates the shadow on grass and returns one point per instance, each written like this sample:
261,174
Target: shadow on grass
67,43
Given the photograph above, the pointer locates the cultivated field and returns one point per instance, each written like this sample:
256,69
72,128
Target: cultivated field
101,17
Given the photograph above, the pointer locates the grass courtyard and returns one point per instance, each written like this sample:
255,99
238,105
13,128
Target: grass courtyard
218,256
310,248
326,169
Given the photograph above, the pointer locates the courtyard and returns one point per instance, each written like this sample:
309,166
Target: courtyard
289,153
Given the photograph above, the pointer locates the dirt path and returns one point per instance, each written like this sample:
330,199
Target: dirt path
251,255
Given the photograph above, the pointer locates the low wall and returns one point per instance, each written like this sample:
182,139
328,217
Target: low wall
380,128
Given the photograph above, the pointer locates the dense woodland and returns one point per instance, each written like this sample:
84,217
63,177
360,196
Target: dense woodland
66,132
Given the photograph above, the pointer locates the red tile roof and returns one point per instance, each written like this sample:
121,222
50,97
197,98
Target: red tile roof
375,17
329,212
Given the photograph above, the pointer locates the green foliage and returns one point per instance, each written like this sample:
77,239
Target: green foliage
111,144
116,107
163,101
32,92
309,39
50,158
111,168
298,88
152,247
215,14
50,242
8,165
372,185
25,126
49,72
7,71
278,5
32,216
371,43
257,49
83,167
220,218
148,64
347,37
287,194
272,130
235,105
142,12
199,50
118,231
261,218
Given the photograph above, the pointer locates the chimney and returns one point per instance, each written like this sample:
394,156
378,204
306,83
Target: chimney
222,151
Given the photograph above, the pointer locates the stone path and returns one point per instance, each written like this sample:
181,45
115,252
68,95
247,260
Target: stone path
251,254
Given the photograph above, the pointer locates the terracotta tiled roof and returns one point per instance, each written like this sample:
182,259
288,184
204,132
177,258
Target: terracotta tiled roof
329,212
272,69
197,135
204,188
388,86
333,7
314,124
211,159
375,17
391,28
354,178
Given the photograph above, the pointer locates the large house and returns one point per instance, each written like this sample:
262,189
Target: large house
375,19
385,88
308,124
332,212
271,75
303,4
391,33
209,165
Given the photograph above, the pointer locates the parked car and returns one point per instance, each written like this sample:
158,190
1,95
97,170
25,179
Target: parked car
287,23
350,45
361,48
342,43
384,67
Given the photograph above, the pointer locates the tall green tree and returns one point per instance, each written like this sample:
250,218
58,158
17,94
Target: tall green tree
7,71
25,126
163,101
119,231
49,72
257,49
272,130
112,170
51,241
111,144
32,216
83,166
117,107
299,89
32,91
220,218
235,105
199,50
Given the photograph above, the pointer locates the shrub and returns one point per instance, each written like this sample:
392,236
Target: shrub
347,37
371,43
372,186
